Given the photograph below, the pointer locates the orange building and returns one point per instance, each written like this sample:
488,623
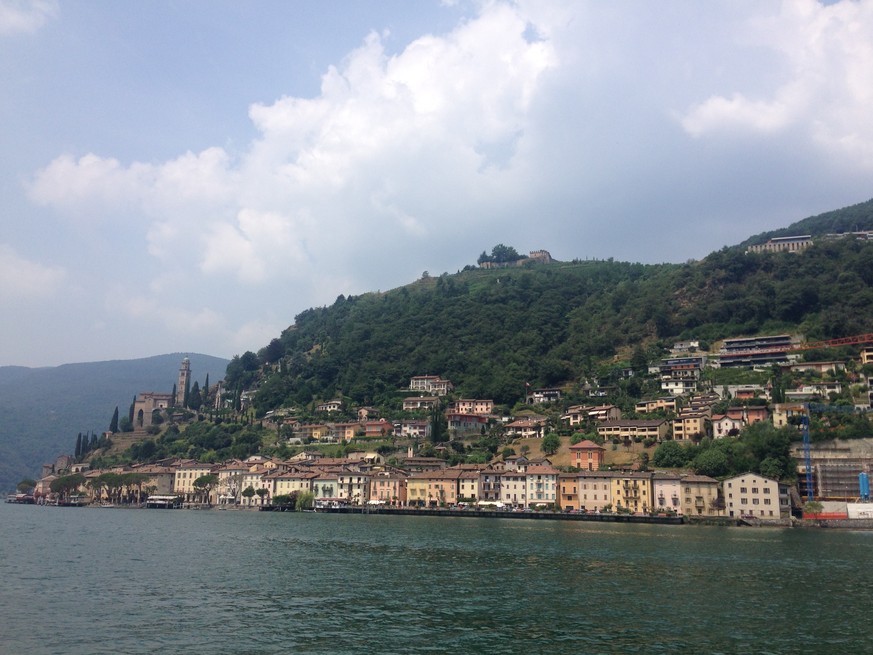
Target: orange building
587,455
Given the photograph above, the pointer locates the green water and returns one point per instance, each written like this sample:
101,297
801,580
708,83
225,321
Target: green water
75,580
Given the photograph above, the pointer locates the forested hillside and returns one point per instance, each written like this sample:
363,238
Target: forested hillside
492,331
848,219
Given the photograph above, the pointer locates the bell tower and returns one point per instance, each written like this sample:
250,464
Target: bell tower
184,383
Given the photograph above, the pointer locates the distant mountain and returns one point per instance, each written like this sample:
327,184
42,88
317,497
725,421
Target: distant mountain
43,409
855,218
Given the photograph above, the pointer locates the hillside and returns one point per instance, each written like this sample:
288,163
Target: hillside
44,409
848,219
492,331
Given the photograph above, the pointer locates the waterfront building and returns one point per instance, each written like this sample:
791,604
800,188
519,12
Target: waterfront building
433,488
542,486
700,496
753,495
595,490
666,488
468,485
513,488
633,491
489,484
229,485
389,487
353,486
568,491
183,481
289,482
325,487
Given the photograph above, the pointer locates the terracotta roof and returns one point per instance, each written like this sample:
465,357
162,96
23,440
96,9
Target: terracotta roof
586,444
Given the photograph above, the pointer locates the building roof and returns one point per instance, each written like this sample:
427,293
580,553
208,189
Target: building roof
586,444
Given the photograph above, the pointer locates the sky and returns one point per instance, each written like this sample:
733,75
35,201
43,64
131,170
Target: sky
189,176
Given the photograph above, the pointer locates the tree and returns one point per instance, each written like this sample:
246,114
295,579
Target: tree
248,493
194,397
438,426
551,443
639,362
131,410
78,452
670,454
305,500
66,484
712,462
113,423
261,493
204,484
25,486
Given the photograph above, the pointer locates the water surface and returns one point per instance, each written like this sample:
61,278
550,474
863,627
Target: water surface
88,581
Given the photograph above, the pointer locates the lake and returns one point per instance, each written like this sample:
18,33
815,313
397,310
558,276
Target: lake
82,580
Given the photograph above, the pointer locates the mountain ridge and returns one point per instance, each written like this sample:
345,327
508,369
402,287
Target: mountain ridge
44,408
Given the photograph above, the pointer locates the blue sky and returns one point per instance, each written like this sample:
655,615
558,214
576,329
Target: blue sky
189,176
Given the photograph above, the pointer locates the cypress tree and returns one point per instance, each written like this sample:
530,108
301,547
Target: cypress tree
173,399
79,446
113,424
130,413
194,397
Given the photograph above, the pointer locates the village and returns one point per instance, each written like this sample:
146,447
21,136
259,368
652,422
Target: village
607,473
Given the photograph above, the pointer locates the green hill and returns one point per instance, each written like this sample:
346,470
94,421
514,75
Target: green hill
492,331
849,219
43,409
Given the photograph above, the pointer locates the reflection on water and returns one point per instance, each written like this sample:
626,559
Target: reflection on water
125,581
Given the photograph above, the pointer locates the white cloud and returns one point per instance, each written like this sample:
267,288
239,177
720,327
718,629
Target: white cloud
825,92
178,320
23,279
371,155
25,16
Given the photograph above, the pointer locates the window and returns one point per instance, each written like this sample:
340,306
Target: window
744,501
744,490
766,501
754,490
754,501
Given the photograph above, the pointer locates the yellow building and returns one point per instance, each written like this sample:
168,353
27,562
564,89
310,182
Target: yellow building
688,426
633,491
184,477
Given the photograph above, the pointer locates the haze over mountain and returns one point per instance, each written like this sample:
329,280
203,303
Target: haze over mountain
43,409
